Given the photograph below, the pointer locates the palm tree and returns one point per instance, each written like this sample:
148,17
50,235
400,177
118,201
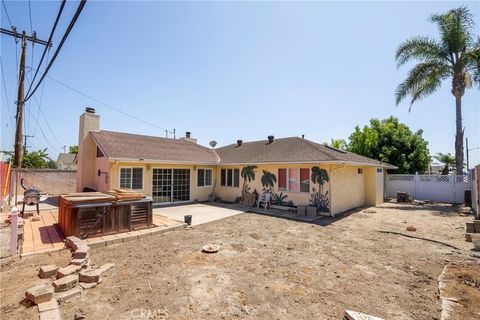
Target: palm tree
339,144
268,180
248,175
455,56
447,160
320,176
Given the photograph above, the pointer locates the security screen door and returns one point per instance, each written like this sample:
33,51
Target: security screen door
171,185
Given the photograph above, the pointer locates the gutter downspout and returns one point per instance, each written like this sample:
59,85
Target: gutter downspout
343,165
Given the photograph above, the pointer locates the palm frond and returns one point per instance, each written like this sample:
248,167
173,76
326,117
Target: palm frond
454,27
422,80
420,48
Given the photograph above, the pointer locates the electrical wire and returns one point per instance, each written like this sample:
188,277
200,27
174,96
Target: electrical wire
107,105
6,12
6,93
47,47
64,38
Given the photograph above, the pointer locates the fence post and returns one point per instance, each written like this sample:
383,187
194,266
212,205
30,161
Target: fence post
416,180
14,231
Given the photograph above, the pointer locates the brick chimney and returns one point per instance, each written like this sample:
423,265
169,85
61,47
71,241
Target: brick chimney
89,121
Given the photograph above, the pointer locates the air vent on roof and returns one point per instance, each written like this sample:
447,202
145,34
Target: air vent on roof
270,139
239,142
89,110
335,149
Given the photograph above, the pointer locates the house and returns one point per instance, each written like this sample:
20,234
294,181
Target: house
180,170
67,161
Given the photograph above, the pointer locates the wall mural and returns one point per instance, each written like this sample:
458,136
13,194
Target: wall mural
318,198
268,181
248,175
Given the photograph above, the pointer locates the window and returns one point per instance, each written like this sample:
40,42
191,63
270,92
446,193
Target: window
294,179
204,177
360,171
131,178
379,170
230,178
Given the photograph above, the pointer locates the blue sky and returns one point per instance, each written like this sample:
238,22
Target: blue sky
228,71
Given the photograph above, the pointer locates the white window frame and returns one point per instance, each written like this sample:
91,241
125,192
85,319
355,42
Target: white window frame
287,189
131,180
205,176
233,178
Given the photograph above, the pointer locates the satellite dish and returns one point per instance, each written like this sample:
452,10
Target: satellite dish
212,143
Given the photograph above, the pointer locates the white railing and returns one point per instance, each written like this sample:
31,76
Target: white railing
450,189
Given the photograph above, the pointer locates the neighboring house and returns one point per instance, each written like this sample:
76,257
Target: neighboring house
67,161
180,170
435,168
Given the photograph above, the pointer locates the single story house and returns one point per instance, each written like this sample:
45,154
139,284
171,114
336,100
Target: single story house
67,161
180,170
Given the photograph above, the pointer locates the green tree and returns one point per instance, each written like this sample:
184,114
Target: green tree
248,175
73,149
268,180
339,144
392,142
454,57
35,159
447,160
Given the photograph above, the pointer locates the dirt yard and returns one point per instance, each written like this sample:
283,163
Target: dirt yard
267,268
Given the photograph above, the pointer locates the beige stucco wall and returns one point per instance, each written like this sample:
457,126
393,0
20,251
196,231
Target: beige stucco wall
374,186
231,193
50,181
347,188
196,193
102,182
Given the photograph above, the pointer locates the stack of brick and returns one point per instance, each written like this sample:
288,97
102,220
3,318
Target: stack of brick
473,233
47,296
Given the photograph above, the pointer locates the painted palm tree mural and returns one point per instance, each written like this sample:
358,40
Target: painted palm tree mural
320,199
268,181
248,175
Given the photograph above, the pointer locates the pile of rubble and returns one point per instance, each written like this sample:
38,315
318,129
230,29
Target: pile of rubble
47,296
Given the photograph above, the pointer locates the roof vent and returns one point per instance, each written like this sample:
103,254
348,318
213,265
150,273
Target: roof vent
90,110
188,134
270,139
239,142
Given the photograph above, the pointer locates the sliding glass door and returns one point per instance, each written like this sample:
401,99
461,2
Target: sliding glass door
170,185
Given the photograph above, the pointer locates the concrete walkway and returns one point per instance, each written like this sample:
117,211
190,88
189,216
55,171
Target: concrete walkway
201,213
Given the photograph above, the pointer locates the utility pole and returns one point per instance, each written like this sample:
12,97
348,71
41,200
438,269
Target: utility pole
468,164
64,149
21,88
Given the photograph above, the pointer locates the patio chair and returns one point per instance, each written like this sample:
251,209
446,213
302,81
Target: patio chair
265,198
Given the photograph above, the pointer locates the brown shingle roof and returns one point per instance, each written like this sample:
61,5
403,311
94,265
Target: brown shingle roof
291,149
126,146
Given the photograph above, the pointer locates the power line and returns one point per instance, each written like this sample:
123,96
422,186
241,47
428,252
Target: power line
64,38
44,118
47,48
6,93
6,12
107,105
30,16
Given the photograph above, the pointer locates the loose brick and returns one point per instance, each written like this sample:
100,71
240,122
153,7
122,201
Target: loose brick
107,267
40,293
90,276
51,315
81,252
71,269
65,283
68,295
73,242
85,285
47,271
79,261
49,305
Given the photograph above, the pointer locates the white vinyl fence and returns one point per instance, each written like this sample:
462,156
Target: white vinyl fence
438,188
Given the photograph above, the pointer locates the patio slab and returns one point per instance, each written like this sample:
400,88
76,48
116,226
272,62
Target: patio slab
200,212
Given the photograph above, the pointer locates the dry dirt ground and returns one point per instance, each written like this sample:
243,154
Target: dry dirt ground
267,268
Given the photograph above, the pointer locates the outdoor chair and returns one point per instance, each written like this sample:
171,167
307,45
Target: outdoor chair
265,198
